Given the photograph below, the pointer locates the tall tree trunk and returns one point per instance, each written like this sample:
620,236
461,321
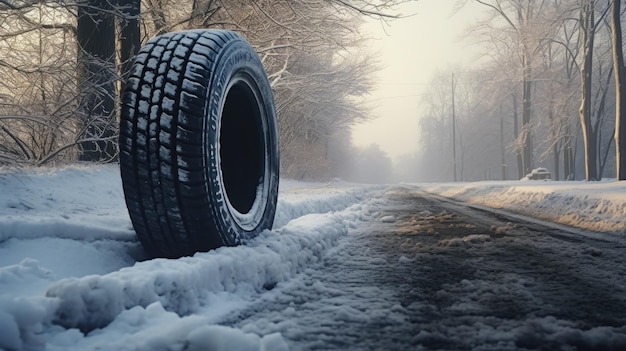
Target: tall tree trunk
96,79
518,154
526,111
620,92
566,156
555,150
568,164
589,136
557,161
600,114
606,155
502,147
453,132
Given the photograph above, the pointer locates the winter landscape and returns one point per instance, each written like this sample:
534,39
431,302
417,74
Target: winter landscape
301,175
74,277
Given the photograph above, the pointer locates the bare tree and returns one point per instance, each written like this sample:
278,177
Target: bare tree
588,29
307,46
531,22
620,90
37,92
97,73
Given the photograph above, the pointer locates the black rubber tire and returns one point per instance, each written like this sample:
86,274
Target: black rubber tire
198,143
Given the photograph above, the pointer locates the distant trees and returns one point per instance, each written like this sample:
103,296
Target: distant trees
483,128
529,23
370,165
548,88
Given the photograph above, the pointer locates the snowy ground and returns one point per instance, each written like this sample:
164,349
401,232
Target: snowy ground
595,206
73,276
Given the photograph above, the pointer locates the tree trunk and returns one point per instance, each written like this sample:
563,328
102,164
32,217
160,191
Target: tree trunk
502,147
606,155
526,111
589,136
555,151
96,79
620,92
600,116
518,154
130,35
453,133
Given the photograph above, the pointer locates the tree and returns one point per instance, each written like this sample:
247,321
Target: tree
64,106
591,130
588,29
620,90
531,22
479,131
37,89
97,73
561,67
98,69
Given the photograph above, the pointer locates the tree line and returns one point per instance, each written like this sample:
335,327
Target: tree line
64,64
547,92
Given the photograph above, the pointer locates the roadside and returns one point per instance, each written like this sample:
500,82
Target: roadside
422,275
595,206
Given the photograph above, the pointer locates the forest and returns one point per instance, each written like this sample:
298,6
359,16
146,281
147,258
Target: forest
543,94
546,92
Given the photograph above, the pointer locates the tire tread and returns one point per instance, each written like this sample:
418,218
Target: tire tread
162,161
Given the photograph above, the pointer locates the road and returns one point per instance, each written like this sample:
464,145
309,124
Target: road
427,274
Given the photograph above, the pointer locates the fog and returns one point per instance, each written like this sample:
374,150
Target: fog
455,101
410,49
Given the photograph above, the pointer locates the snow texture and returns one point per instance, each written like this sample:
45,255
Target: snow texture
74,277
69,264
597,206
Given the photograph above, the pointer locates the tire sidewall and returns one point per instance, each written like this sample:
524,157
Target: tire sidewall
238,58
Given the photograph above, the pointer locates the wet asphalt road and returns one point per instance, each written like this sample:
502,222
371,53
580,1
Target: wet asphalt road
425,274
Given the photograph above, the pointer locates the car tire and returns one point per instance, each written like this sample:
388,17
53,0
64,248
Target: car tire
199,155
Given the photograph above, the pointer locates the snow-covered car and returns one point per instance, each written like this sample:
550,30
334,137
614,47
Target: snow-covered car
538,173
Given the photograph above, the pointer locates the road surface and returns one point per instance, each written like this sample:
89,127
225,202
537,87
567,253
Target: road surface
346,267
427,274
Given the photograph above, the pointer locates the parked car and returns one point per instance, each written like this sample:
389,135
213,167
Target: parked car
538,173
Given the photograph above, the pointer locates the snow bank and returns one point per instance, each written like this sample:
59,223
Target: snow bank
71,224
297,199
597,206
154,328
22,321
187,284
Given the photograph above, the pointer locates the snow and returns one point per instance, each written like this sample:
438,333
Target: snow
74,277
68,255
596,206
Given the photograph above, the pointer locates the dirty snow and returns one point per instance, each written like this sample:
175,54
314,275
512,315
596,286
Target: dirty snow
74,277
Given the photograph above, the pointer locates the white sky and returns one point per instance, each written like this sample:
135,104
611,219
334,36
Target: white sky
410,51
